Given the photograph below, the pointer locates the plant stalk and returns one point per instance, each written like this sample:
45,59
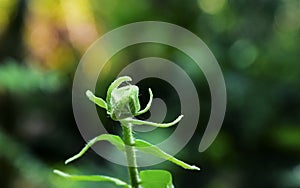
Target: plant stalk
130,155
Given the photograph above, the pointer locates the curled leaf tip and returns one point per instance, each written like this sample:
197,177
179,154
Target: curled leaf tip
97,100
71,159
195,168
60,173
179,117
89,94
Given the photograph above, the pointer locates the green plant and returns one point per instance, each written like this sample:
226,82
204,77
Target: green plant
122,104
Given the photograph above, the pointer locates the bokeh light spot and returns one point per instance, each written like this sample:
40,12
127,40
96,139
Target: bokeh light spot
212,6
243,53
287,16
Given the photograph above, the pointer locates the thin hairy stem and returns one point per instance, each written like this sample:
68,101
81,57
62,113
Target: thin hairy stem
130,154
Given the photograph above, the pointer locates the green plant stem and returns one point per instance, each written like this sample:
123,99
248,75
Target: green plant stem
130,154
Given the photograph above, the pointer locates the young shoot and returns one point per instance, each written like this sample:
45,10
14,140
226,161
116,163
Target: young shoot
122,104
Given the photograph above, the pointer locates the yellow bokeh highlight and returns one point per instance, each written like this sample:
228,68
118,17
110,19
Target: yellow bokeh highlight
79,22
287,16
56,31
6,10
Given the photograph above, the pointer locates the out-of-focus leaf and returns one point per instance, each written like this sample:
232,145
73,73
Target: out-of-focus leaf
286,137
18,78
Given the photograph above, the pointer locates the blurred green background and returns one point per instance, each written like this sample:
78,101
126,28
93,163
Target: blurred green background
255,42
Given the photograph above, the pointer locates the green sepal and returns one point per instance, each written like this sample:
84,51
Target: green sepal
141,122
114,85
148,104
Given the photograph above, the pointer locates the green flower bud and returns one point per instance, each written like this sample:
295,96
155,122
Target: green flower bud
121,102
124,102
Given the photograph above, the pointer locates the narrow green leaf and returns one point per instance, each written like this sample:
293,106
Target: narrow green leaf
92,178
100,102
113,139
141,122
146,147
156,179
